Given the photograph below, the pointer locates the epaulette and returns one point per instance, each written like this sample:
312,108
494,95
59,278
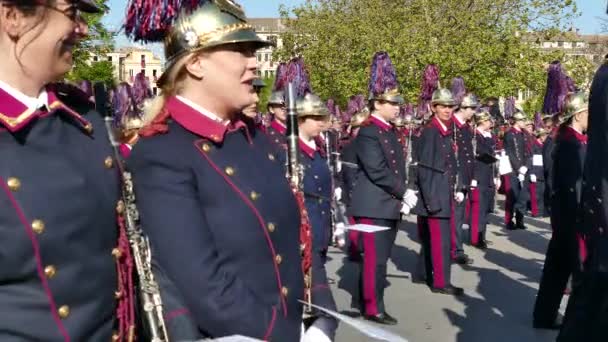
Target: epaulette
73,97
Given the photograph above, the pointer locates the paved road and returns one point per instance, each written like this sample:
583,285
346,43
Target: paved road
500,288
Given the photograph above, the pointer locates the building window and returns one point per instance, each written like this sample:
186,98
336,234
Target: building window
130,72
154,72
95,58
560,44
265,57
154,90
143,72
109,58
259,55
143,58
266,73
259,73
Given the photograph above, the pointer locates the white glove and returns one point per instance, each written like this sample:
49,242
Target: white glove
521,177
339,166
497,182
459,197
338,194
405,209
474,183
533,178
338,235
410,198
314,334
523,170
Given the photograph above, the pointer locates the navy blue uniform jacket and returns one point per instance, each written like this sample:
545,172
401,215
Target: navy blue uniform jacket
436,171
224,227
59,187
380,184
515,145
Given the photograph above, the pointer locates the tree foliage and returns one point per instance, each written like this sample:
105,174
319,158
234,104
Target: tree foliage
100,40
102,71
483,41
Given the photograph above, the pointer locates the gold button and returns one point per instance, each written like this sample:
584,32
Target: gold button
108,162
271,227
254,195
116,253
229,171
13,183
271,156
117,294
278,259
571,189
64,311
50,271
284,291
115,337
206,147
320,200
38,226
120,207
89,128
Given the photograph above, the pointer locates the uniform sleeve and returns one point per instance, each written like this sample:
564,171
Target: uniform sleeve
219,301
510,150
374,164
427,153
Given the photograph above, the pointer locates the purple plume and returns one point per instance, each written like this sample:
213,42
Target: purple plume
123,103
458,89
509,109
409,109
150,20
558,86
280,78
382,74
538,121
356,103
87,87
331,105
430,83
141,89
297,74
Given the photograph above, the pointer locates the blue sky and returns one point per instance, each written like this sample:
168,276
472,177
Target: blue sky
588,21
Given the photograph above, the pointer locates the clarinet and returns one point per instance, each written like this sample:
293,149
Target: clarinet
408,158
456,169
295,174
149,291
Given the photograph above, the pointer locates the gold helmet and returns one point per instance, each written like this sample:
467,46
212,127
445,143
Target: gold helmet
215,23
482,117
541,132
311,105
359,118
469,101
519,116
576,103
443,97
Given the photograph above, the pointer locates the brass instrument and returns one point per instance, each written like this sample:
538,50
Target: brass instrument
149,291
295,174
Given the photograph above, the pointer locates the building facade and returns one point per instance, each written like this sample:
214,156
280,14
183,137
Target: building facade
269,29
128,62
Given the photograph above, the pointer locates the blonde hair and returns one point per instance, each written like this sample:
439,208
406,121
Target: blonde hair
172,86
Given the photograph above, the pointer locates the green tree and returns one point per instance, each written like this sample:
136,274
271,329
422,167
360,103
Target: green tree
265,93
482,41
99,41
96,72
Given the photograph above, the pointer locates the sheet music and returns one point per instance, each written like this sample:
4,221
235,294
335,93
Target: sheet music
367,228
537,160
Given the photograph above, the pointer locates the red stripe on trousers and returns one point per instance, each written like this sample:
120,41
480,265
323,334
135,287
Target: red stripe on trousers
369,270
533,199
508,199
582,248
436,252
475,216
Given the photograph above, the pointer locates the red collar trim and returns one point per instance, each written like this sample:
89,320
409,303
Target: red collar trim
278,126
538,142
14,115
379,123
458,123
309,151
200,124
440,126
571,132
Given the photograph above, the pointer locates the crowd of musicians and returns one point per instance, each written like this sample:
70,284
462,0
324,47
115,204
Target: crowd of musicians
196,214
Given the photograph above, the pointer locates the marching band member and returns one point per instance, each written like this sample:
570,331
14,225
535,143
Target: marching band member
439,190
379,195
537,174
464,143
482,193
59,260
228,261
566,251
276,107
127,117
515,182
